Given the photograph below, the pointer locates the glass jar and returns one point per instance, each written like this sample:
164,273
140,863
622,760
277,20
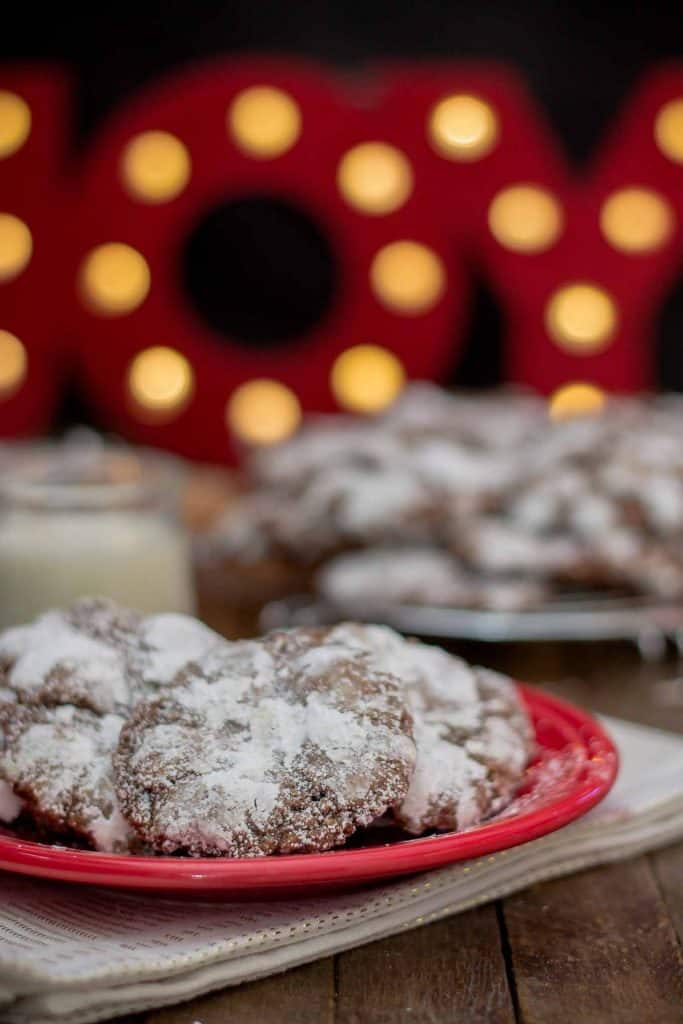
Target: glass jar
82,519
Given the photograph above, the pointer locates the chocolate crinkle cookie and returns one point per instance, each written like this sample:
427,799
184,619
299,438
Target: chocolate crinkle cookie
283,745
67,683
473,735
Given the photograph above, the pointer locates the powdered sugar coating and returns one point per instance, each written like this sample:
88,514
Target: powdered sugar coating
52,661
327,441
341,505
168,643
381,577
498,546
70,678
472,733
58,760
283,745
98,655
11,805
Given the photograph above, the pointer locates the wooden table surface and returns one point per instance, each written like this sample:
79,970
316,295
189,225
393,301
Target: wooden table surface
601,946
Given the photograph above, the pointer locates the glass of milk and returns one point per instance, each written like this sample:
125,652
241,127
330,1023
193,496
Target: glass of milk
85,518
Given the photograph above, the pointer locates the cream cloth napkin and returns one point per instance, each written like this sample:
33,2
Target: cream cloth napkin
79,954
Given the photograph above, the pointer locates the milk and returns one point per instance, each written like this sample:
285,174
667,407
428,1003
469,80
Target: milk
87,519
48,560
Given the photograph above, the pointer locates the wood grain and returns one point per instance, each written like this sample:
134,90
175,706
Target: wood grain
304,995
453,970
597,947
667,865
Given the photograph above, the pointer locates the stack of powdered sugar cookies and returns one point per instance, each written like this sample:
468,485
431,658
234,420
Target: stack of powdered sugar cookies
154,735
479,501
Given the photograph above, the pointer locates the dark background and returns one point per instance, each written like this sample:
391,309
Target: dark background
580,60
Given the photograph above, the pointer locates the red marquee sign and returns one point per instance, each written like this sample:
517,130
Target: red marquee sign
413,177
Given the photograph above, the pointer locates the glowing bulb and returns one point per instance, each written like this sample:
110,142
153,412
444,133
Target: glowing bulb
525,218
13,364
15,122
263,411
577,399
161,382
581,318
16,246
463,127
114,279
375,178
636,220
407,277
669,130
155,167
264,122
367,378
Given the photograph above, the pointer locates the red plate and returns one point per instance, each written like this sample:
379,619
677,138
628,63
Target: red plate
575,768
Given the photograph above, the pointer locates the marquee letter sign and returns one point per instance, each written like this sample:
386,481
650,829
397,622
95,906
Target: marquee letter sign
227,133
410,177
35,255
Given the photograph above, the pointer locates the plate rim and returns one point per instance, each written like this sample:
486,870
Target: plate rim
340,866
600,617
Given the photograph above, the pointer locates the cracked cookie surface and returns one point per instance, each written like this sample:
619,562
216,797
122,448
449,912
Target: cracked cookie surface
69,680
472,734
282,745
